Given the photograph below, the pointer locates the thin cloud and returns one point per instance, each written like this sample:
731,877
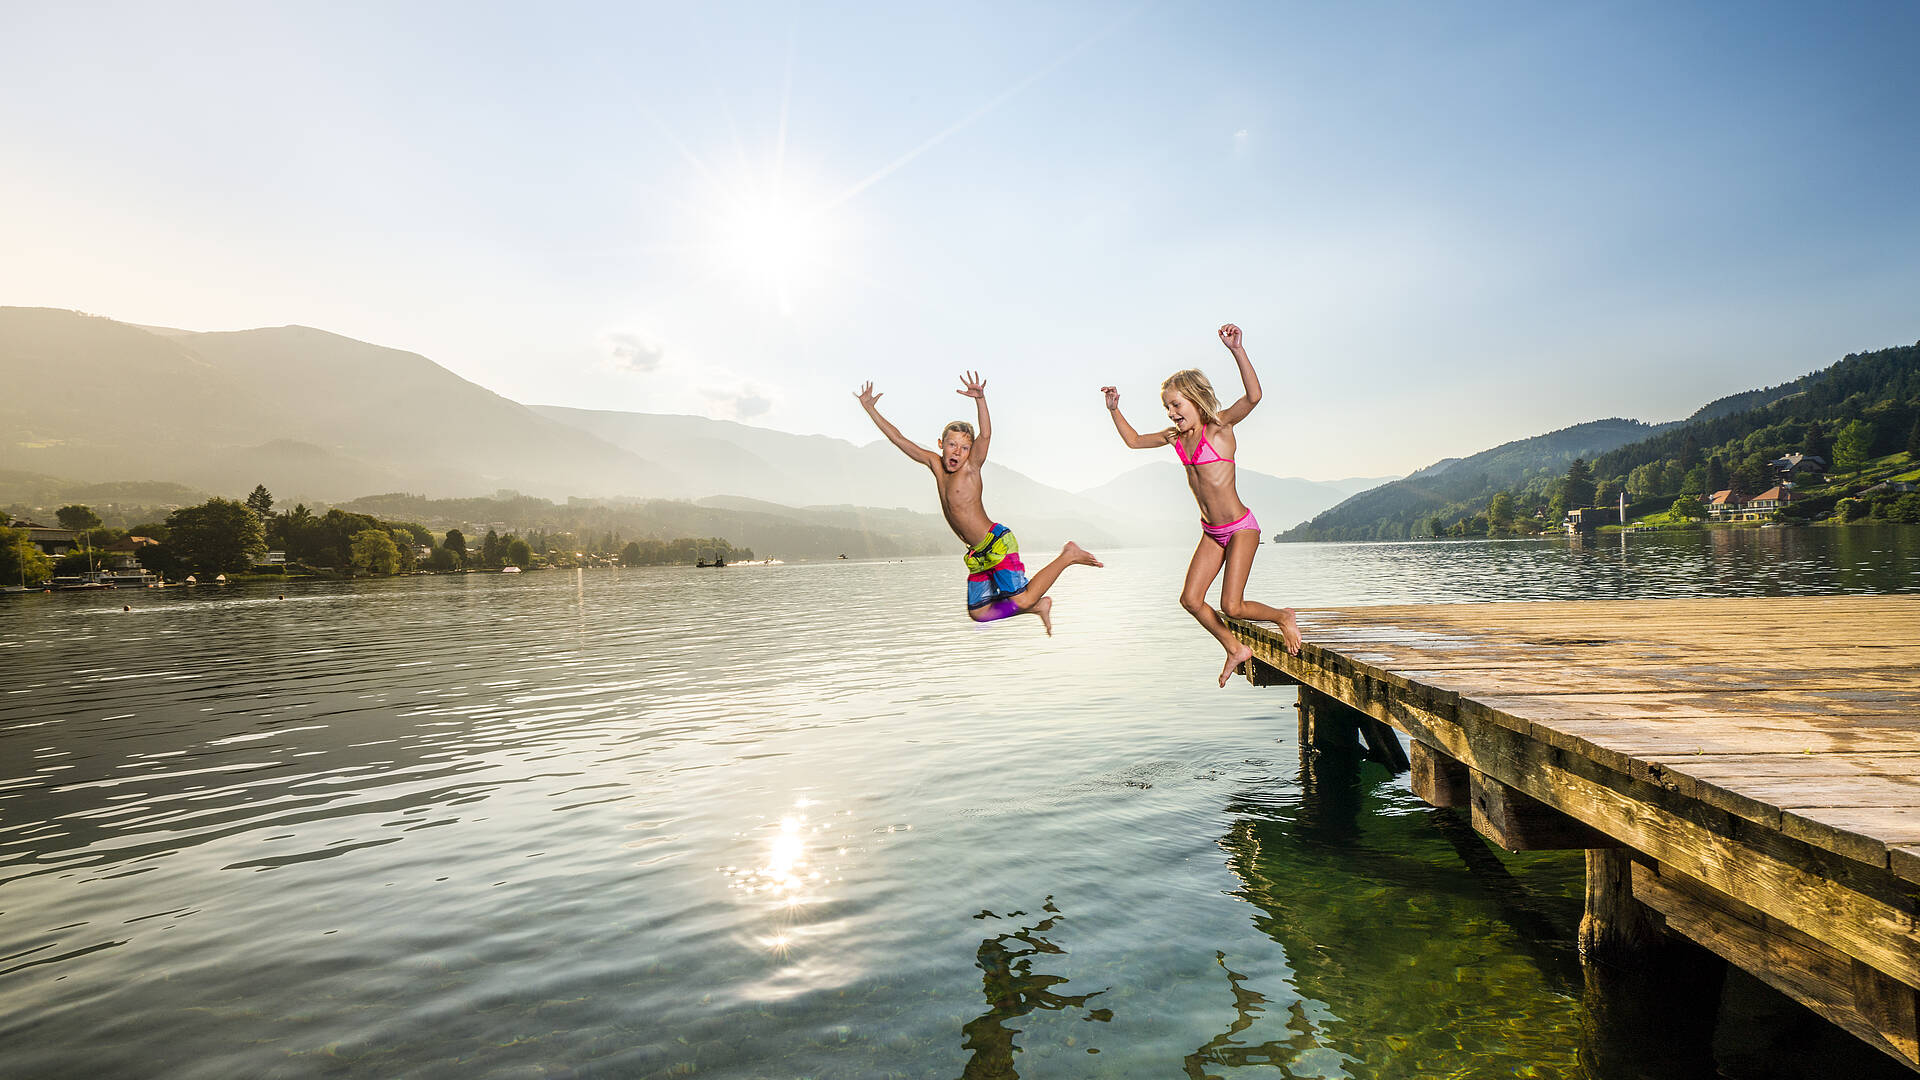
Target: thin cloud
743,402
631,352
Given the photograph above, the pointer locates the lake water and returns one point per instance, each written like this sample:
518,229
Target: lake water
786,821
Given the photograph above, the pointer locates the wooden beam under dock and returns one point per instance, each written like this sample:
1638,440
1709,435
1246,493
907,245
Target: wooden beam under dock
1755,761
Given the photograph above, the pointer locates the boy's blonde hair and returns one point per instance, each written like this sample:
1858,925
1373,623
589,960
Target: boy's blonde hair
1192,384
960,426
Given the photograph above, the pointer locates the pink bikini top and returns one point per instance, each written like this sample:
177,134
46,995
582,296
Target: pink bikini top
1199,452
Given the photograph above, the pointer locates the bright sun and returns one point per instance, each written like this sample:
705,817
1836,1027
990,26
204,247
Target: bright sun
774,241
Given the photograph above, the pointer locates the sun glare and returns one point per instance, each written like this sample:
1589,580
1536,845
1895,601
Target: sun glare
774,241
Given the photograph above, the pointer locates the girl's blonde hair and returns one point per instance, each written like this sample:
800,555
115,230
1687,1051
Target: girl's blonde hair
1192,384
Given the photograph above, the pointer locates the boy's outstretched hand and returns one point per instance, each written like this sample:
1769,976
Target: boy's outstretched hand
1113,396
975,386
1230,336
867,397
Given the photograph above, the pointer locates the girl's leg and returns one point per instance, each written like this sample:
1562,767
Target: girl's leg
1241,548
1207,559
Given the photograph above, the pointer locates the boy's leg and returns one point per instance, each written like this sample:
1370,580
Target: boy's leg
1033,599
1207,559
1241,547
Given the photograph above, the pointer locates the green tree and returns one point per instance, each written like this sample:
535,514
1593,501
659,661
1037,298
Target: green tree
1850,509
441,559
1817,442
1913,440
1688,508
1853,447
1500,514
1576,488
403,543
216,537
1606,493
630,555
1717,476
77,518
1751,477
374,553
518,552
261,501
491,550
1905,509
457,547
20,562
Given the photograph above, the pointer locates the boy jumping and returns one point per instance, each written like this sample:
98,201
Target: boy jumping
997,584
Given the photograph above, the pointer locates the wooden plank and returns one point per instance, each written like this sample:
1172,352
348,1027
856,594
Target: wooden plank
1519,822
1852,995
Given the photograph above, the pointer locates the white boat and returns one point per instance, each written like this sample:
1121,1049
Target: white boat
509,569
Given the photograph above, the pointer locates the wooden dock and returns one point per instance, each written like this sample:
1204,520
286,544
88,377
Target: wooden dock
1743,773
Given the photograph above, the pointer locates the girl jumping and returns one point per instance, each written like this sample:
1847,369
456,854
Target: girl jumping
1202,437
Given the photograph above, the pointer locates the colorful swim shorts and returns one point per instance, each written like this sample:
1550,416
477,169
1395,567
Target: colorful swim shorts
994,570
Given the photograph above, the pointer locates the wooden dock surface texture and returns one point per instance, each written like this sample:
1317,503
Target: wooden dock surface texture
1762,757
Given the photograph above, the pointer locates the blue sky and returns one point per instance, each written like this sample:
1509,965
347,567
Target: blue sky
1442,226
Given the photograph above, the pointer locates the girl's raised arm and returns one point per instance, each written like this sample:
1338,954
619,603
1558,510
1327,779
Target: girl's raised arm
1127,435
1236,412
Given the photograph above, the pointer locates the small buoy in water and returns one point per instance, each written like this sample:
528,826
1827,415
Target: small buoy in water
283,596
126,607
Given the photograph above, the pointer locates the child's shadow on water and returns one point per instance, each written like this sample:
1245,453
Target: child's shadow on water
1013,990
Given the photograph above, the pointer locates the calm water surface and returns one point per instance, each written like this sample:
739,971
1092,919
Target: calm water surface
790,821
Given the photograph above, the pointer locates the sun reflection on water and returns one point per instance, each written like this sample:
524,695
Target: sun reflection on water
788,876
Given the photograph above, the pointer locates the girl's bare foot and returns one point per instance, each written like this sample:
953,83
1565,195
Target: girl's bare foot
1043,607
1235,658
1290,631
1079,555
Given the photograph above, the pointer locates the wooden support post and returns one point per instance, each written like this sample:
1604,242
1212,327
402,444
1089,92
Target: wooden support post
1328,724
1437,778
1653,997
1616,926
1383,745
1519,822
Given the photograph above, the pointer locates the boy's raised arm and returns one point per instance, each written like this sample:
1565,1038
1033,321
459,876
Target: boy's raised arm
973,386
1236,412
869,401
1127,435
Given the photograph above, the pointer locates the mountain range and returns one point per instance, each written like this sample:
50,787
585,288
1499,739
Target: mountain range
322,418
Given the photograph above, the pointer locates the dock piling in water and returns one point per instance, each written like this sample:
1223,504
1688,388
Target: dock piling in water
1744,774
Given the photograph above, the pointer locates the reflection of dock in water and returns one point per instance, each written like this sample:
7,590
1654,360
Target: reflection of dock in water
1741,774
1013,989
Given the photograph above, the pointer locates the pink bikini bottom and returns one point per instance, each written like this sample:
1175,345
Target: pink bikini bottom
1220,534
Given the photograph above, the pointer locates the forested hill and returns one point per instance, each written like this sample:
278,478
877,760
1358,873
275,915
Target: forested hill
1865,406
1401,509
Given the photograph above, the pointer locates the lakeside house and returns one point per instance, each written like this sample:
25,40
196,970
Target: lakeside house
1727,506
1800,468
1591,517
53,542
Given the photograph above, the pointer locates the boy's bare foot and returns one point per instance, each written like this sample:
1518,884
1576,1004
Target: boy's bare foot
1234,659
1044,609
1290,631
1079,555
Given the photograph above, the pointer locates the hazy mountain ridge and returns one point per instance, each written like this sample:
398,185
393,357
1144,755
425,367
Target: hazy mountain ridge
322,418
